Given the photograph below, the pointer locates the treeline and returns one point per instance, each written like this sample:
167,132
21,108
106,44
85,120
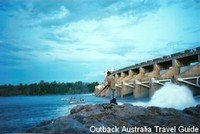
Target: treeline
46,88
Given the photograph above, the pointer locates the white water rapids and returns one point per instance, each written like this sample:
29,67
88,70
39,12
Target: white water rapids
171,96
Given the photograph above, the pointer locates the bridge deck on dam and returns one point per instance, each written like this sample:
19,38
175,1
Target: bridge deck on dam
143,79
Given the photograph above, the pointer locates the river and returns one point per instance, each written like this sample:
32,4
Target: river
19,113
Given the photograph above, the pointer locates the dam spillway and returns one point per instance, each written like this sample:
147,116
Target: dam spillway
143,79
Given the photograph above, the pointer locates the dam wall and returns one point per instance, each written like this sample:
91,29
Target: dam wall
143,79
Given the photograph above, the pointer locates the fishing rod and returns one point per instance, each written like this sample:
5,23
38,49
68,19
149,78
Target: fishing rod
102,90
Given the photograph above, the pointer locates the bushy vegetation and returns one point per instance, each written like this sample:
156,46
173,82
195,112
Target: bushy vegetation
46,88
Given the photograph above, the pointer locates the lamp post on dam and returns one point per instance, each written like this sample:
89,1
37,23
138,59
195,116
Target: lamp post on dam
143,79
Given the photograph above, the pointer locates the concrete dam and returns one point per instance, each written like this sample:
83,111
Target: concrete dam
143,79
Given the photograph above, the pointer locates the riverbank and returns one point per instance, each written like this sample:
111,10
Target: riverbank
47,88
108,117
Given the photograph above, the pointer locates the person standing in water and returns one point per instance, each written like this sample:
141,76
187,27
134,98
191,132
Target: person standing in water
110,83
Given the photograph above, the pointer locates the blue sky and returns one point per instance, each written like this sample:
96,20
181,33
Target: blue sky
72,40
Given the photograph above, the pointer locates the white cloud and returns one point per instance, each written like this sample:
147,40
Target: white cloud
97,40
53,16
60,14
117,35
113,38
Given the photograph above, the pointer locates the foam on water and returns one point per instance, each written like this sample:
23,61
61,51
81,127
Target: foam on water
171,96
174,96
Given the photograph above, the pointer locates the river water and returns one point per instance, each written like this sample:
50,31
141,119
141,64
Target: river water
19,113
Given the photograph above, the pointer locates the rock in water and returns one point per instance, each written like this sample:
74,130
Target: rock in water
82,117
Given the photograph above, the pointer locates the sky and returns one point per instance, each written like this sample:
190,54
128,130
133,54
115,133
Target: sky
77,40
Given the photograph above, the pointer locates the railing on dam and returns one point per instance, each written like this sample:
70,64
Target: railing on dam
143,79
191,54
